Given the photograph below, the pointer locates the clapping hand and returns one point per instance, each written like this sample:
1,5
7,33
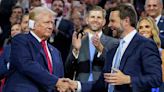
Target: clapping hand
97,43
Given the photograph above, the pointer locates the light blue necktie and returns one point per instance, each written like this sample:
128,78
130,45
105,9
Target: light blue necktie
92,52
116,62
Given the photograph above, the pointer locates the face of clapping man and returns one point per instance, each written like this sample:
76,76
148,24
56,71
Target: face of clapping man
153,8
115,22
44,25
95,20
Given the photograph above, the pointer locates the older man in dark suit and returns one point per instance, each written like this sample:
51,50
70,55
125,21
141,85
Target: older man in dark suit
154,9
37,66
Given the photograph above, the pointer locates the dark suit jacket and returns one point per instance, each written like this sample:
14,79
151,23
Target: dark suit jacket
62,40
161,29
82,64
30,66
141,61
4,59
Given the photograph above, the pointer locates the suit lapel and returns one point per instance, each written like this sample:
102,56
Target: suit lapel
161,21
109,60
103,39
132,45
160,24
34,42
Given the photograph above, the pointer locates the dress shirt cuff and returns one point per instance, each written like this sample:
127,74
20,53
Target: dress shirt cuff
75,53
78,86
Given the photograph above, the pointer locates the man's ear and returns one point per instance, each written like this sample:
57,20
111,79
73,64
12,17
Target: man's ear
86,20
104,21
31,24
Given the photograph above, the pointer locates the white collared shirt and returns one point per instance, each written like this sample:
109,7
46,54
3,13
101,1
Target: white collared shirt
127,40
157,19
58,21
90,39
39,40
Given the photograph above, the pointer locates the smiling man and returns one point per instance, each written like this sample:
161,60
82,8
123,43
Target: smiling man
86,52
36,65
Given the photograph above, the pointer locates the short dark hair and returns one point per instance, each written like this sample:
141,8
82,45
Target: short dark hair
127,10
17,6
59,0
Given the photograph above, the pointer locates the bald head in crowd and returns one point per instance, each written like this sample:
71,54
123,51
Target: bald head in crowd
153,8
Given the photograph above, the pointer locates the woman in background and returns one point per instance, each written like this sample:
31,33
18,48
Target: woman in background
147,28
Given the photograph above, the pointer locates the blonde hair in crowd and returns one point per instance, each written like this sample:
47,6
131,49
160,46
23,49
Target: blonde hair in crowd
155,30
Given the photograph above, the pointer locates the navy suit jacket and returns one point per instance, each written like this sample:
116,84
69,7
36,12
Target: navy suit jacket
161,29
4,59
30,66
141,61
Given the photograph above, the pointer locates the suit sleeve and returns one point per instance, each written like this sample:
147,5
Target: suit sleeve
151,63
70,65
21,59
98,85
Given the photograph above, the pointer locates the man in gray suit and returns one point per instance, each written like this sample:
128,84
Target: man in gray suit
86,57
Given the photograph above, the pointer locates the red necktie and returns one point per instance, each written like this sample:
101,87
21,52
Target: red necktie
2,84
43,43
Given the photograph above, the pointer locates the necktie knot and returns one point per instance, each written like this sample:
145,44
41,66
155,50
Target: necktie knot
43,43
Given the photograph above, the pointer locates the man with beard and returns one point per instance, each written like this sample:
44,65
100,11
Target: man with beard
86,57
61,38
132,66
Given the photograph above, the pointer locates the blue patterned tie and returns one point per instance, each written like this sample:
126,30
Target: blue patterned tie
92,52
116,62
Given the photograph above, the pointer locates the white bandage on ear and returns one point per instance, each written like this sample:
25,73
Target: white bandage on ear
31,24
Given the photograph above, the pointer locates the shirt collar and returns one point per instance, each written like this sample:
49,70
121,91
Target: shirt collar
91,35
157,19
59,18
38,39
130,36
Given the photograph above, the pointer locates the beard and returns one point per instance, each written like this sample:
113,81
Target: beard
118,32
59,12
